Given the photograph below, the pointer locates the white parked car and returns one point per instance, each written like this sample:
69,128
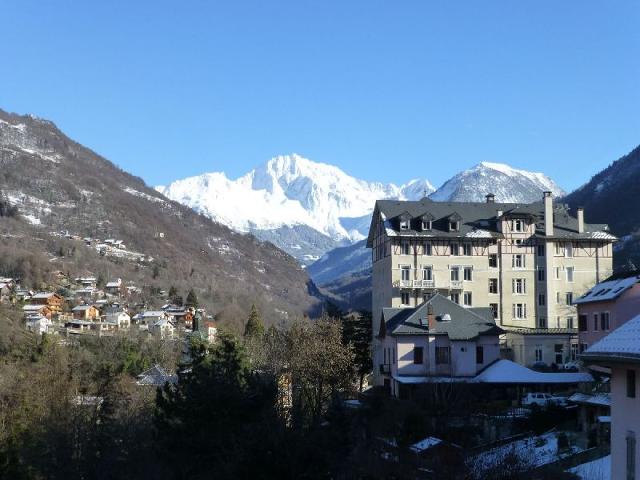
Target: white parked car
543,399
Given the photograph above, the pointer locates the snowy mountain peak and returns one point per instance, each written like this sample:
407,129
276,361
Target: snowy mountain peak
290,190
507,183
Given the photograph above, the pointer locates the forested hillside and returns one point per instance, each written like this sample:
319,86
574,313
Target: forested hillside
613,196
50,184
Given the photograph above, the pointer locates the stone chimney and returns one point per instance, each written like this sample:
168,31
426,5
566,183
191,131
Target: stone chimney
491,198
548,214
580,220
430,317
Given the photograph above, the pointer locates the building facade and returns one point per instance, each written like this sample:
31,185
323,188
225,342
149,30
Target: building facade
439,338
605,307
527,262
620,352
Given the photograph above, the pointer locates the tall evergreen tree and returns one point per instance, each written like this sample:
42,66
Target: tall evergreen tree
254,327
192,299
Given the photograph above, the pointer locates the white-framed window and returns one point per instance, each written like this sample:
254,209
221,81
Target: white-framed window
569,298
542,300
467,274
493,260
467,299
542,322
517,224
494,309
559,248
568,250
569,322
518,242
405,248
518,261
541,250
455,273
466,249
426,224
427,248
519,311
405,298
455,298
569,271
541,275
427,272
557,270
405,272
519,286
493,285
455,249
404,224
604,321
454,226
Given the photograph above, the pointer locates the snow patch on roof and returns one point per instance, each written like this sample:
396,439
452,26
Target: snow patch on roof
623,340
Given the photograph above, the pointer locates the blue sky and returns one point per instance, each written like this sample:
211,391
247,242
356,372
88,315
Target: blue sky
386,90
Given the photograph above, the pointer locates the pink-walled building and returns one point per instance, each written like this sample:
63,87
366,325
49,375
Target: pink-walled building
605,307
620,352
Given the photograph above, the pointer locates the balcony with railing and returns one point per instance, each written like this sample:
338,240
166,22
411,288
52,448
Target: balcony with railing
415,284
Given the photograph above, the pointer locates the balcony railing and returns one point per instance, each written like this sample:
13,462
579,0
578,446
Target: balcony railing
414,284
456,284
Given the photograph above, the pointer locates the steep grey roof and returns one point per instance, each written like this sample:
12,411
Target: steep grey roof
608,290
464,324
478,219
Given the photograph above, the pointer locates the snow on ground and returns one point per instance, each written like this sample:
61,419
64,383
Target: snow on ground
289,190
531,451
31,219
146,196
55,158
599,469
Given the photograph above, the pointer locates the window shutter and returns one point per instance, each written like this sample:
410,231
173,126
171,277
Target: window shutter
524,285
513,311
524,310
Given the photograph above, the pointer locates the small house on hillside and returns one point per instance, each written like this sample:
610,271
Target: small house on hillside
118,317
39,310
145,319
87,282
162,328
114,287
39,324
51,300
86,312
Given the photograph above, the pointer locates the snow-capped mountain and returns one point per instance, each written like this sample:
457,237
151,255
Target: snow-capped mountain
290,191
508,184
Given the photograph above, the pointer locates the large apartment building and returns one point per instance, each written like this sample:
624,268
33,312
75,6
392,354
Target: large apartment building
527,262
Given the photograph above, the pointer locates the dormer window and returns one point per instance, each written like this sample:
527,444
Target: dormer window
426,221
404,221
454,222
518,225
